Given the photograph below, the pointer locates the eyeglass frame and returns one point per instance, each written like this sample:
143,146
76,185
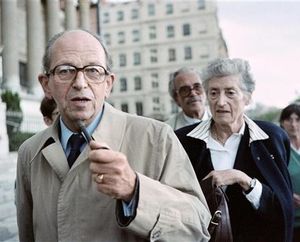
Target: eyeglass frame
191,88
52,72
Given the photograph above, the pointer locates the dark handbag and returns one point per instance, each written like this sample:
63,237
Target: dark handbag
219,227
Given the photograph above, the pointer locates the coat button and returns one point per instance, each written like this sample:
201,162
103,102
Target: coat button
258,158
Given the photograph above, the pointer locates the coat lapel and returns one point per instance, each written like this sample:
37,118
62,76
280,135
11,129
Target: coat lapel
56,157
112,128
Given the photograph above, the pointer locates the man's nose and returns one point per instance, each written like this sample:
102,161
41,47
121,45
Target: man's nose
80,80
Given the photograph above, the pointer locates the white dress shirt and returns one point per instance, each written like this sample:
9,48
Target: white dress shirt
223,156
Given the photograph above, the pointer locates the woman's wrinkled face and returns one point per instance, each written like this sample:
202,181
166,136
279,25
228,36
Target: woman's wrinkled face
292,125
78,99
227,100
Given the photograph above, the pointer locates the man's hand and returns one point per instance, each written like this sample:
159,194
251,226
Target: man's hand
112,172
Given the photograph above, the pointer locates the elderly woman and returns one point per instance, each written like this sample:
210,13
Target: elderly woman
249,158
290,121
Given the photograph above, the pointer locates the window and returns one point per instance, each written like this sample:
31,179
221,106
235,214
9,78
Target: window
172,55
136,58
202,28
139,108
121,37
155,100
134,13
135,35
154,80
169,8
120,16
201,4
151,9
106,17
23,74
204,51
153,55
152,32
124,107
122,59
170,31
137,83
187,53
123,84
107,39
186,29
156,104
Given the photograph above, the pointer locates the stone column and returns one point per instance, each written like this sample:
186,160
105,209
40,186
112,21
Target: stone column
10,58
84,8
70,13
3,132
53,17
35,44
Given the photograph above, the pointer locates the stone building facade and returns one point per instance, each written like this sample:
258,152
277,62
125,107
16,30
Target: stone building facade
26,26
148,40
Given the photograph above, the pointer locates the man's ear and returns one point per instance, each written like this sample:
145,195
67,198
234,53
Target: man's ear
44,81
47,121
109,84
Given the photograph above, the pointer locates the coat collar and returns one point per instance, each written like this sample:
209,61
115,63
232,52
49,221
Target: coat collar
202,130
112,127
111,130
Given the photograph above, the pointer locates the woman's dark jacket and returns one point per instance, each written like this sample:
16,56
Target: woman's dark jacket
266,160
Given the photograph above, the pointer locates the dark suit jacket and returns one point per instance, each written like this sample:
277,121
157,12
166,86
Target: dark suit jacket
274,218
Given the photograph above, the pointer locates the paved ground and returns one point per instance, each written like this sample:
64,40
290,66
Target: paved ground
8,221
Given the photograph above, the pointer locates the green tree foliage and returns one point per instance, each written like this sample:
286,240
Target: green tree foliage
12,100
14,115
261,112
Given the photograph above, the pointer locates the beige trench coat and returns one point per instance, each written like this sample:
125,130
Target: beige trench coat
55,203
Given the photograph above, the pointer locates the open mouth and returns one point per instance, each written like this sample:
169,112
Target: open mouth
80,99
222,111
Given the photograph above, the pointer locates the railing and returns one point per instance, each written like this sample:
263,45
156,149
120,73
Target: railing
31,124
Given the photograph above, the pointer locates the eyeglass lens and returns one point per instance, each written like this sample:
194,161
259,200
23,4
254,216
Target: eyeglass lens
68,73
185,91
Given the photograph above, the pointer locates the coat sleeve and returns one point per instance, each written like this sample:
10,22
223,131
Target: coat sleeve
171,204
276,205
23,198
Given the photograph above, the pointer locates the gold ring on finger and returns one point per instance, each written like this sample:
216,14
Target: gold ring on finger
99,178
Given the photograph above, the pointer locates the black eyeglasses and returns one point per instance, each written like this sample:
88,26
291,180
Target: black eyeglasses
185,91
67,73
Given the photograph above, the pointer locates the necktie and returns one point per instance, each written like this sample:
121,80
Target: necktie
75,141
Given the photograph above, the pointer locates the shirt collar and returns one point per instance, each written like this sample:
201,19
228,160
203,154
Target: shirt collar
66,133
188,120
202,130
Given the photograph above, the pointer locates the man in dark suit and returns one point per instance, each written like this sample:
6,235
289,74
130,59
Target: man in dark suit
249,159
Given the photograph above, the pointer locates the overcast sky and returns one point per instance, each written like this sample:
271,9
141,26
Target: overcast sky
267,34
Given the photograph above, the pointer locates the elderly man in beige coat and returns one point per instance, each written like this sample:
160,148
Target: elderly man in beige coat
132,182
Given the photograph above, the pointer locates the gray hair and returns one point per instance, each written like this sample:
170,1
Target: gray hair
47,55
183,70
225,67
